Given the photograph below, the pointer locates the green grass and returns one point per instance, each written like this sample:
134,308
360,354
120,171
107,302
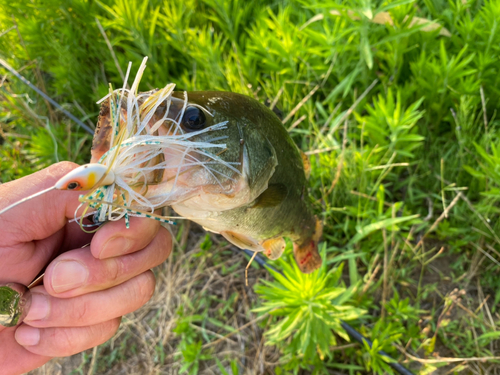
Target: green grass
401,126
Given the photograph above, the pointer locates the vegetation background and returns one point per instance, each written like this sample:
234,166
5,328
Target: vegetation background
399,118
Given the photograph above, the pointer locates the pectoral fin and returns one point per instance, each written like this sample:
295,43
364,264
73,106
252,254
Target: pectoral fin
274,247
242,241
271,197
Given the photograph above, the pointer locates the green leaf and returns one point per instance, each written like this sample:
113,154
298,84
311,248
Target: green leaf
370,228
489,336
221,367
366,52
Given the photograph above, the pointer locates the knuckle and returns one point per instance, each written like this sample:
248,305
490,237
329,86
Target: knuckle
145,287
139,290
80,312
65,341
104,331
113,271
163,246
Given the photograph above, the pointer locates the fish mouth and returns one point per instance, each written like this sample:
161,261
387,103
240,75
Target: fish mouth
190,165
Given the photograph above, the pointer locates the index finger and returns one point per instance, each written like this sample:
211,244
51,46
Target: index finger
44,215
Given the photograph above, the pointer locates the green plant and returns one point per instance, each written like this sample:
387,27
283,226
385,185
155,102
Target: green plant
190,345
391,127
312,308
233,366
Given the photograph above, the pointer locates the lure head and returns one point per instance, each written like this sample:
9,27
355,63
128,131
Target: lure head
86,177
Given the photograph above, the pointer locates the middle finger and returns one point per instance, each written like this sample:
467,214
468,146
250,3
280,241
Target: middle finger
77,272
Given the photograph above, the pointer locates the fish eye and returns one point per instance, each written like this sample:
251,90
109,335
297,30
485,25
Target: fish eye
73,185
193,119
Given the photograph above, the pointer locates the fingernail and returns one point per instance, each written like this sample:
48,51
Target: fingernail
116,246
27,336
67,275
39,307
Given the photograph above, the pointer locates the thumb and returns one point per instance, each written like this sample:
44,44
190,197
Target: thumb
42,216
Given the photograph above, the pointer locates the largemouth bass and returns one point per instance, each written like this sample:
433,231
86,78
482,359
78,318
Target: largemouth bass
255,197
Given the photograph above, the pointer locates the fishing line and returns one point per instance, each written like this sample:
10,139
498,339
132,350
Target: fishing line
45,96
27,199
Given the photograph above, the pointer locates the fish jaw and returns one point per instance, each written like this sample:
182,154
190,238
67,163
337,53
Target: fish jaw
195,192
102,135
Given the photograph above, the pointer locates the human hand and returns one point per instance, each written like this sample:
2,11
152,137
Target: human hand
86,290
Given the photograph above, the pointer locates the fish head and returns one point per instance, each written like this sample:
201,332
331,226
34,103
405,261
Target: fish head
224,161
